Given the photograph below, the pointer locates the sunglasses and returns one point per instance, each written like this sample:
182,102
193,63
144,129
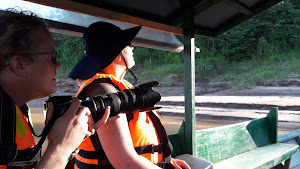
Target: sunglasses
52,54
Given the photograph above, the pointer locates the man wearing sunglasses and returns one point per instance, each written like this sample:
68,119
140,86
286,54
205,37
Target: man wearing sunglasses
27,71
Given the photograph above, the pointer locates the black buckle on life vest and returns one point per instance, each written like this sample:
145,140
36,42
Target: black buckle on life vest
24,160
152,147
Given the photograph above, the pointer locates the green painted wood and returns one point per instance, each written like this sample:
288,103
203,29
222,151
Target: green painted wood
259,158
216,144
249,144
177,141
189,81
272,119
288,136
219,143
181,134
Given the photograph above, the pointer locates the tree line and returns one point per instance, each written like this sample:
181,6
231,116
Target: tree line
275,30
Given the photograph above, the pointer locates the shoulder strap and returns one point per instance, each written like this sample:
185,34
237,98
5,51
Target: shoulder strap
8,146
167,147
25,111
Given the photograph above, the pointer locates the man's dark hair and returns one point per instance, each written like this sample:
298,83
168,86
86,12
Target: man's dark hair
16,30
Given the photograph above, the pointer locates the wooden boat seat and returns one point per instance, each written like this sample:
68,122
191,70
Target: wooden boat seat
292,137
245,145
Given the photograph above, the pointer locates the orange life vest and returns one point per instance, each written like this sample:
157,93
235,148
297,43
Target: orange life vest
142,129
24,138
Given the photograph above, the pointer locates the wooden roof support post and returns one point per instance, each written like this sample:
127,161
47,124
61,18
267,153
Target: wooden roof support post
189,81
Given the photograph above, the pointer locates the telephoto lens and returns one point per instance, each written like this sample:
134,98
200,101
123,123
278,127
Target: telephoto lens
139,98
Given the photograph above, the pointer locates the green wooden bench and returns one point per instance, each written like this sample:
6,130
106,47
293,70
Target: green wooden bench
251,144
292,137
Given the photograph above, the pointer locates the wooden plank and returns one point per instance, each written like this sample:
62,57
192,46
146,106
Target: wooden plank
107,14
272,119
262,158
289,135
219,143
295,160
216,144
177,141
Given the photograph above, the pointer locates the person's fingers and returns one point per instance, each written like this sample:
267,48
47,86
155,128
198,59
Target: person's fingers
180,164
81,113
104,118
84,117
88,111
176,166
49,112
72,110
91,124
88,134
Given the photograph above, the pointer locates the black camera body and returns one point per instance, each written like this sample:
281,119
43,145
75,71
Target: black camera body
139,98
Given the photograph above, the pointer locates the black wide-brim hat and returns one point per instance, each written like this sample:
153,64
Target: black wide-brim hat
102,42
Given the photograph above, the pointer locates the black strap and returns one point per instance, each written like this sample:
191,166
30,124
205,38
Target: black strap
82,165
8,146
149,149
44,134
25,111
23,159
92,154
23,155
167,147
127,69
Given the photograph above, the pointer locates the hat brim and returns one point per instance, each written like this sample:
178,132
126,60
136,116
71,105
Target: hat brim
91,64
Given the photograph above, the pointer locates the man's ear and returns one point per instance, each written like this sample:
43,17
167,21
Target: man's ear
17,65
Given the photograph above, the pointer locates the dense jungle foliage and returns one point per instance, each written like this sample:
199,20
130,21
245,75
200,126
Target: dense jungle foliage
262,51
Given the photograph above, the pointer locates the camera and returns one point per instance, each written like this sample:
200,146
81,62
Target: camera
139,98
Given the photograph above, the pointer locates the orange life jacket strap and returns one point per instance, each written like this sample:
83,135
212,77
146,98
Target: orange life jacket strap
89,158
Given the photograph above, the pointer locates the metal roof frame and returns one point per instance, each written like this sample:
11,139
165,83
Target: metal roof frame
180,17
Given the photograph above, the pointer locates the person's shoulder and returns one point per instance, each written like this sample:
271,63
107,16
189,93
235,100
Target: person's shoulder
97,88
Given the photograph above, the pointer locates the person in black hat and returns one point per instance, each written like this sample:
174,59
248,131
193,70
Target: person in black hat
109,55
